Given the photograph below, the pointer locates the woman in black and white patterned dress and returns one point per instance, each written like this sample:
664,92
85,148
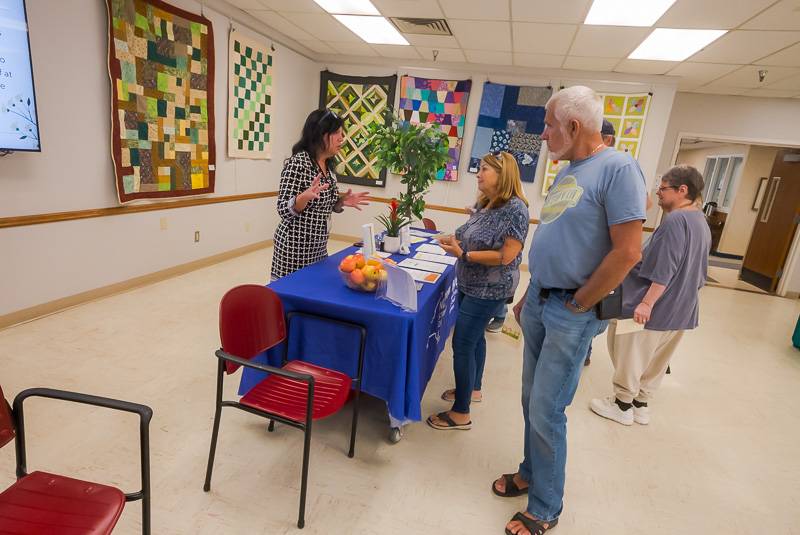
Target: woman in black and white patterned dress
308,194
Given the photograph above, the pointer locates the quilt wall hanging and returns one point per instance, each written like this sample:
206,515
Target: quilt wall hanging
627,113
161,65
360,102
423,100
511,119
250,93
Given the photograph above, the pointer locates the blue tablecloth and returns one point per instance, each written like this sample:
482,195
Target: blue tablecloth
401,348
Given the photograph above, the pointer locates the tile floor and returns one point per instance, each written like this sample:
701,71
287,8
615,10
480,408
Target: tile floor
721,456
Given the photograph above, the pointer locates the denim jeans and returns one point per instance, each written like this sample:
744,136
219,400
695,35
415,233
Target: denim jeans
556,342
469,346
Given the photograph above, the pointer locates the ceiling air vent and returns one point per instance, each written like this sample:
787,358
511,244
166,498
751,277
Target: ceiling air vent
422,26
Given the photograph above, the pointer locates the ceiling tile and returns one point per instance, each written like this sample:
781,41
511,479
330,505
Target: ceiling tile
747,76
710,14
792,82
559,11
247,4
317,46
352,49
784,15
397,51
581,63
273,20
475,9
607,41
445,54
702,72
745,46
788,57
771,93
302,6
687,84
322,26
644,66
544,61
531,37
408,8
476,35
433,41
488,57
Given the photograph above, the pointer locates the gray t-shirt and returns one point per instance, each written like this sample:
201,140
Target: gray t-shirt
677,257
487,229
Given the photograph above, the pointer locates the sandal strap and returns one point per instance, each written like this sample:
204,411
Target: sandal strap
534,525
443,416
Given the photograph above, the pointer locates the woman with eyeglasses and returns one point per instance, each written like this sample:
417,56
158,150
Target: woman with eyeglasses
489,251
308,194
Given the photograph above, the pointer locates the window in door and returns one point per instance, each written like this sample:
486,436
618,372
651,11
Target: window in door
722,178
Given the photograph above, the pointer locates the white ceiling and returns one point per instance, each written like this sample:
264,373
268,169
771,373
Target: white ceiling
763,35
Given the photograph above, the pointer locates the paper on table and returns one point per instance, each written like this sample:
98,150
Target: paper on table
377,253
417,239
442,259
422,276
430,248
433,267
423,233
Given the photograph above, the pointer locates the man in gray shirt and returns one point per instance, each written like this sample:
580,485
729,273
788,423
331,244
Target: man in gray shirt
661,293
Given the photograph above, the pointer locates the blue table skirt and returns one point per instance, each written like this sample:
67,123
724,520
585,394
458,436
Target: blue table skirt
402,348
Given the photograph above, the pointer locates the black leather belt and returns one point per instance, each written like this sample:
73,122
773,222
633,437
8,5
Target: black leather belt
544,293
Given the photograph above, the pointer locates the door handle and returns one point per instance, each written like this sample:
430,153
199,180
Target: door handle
770,198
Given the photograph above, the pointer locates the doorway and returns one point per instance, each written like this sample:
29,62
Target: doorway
745,184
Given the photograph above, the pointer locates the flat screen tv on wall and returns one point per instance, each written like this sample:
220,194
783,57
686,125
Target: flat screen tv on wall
19,122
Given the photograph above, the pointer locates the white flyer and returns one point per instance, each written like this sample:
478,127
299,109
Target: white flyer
423,233
433,267
430,248
417,239
422,276
442,259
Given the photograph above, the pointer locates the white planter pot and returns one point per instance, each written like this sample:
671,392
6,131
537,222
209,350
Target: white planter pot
391,244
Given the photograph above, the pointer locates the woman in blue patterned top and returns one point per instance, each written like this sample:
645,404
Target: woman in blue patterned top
489,250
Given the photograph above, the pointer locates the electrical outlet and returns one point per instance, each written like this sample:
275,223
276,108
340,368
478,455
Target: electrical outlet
163,223
196,236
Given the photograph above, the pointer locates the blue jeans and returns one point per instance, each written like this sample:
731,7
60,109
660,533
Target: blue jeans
556,342
469,346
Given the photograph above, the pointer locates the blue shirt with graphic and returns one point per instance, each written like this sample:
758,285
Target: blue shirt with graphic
587,197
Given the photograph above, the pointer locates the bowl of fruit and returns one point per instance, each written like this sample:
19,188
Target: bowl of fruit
361,274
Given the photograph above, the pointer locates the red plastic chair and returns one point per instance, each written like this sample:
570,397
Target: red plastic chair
41,502
428,224
251,320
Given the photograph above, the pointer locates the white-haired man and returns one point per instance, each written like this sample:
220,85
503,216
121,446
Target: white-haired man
589,237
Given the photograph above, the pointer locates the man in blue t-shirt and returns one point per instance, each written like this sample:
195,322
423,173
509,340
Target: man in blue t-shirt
589,237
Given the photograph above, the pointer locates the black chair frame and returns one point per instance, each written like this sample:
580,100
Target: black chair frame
308,379
145,415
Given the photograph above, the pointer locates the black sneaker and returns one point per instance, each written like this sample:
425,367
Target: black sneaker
495,325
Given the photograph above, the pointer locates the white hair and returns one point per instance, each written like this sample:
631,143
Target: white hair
577,103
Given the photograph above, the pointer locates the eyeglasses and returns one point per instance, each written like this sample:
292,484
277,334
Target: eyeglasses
328,113
662,188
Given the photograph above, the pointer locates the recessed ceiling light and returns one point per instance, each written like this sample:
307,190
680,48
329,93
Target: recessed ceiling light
627,12
348,7
669,44
374,30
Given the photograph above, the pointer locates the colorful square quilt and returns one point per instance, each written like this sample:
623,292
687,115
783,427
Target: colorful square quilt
250,90
161,63
423,100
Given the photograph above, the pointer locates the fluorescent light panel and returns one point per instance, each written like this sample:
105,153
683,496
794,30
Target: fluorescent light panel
669,44
348,7
374,30
627,12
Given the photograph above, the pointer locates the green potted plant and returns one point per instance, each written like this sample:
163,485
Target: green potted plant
417,152
393,223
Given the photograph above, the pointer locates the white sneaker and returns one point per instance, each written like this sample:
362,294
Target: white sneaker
641,415
607,408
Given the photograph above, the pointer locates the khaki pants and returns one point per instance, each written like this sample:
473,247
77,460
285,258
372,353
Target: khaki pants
640,361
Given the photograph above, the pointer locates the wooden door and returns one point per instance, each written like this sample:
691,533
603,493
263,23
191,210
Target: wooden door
775,225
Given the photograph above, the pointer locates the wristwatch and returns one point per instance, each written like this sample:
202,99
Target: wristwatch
464,256
577,306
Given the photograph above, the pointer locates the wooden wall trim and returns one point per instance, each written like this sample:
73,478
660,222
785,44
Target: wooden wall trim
55,217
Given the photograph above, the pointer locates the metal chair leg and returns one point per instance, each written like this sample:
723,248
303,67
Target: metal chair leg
271,426
352,451
213,450
301,520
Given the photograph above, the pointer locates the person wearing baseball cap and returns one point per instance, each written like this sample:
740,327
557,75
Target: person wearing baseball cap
608,133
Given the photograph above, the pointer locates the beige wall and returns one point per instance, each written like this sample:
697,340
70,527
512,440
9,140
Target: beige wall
43,263
742,217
